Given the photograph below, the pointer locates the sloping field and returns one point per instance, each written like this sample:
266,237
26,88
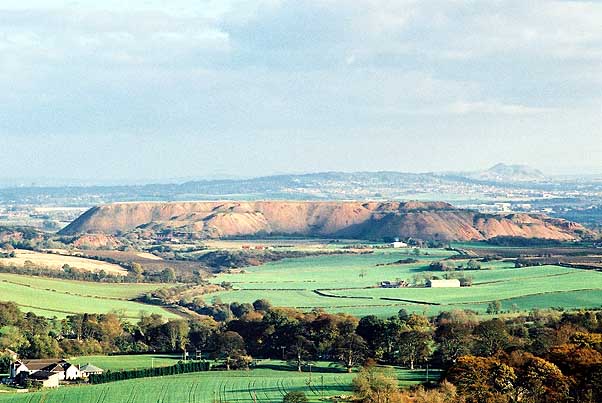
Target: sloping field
127,362
263,385
56,262
53,297
348,283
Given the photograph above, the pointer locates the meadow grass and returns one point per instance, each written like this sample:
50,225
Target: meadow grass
266,384
126,362
57,297
293,282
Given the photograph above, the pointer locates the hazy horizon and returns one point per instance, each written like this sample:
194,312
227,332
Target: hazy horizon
91,181
148,92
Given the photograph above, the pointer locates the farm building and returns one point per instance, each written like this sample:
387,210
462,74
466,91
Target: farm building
393,284
21,370
89,369
443,283
399,244
45,379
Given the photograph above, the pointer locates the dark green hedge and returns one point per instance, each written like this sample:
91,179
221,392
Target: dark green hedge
180,368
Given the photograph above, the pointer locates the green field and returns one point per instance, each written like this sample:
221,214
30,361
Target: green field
268,383
57,297
126,362
352,280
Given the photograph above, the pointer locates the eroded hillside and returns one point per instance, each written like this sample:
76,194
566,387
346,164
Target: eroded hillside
361,220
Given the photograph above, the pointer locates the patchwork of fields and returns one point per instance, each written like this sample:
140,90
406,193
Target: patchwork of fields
336,283
348,283
57,297
266,384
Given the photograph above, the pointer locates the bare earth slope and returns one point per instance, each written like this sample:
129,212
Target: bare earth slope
361,220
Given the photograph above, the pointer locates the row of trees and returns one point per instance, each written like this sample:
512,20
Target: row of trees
527,357
451,265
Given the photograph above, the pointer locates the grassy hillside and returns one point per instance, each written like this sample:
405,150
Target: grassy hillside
54,297
268,383
127,362
351,280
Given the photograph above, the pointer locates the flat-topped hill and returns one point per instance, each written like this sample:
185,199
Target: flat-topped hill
353,219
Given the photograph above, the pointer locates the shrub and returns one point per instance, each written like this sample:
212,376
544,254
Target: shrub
294,397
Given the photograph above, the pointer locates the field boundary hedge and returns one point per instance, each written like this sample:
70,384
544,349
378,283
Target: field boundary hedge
324,294
180,368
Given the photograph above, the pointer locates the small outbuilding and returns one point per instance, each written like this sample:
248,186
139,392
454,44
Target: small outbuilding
89,369
45,379
443,283
399,244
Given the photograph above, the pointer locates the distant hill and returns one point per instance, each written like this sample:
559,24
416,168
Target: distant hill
493,183
357,220
509,174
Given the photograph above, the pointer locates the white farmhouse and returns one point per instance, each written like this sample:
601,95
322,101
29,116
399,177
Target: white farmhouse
399,244
443,283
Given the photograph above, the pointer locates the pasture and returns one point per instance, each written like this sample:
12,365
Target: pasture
348,283
127,362
266,384
57,297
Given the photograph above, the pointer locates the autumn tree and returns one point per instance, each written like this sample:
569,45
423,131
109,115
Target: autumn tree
453,341
177,332
491,337
350,350
229,347
414,346
540,381
375,384
482,380
138,271
300,351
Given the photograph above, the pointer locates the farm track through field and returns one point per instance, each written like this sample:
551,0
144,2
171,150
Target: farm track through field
313,389
250,387
133,394
191,393
264,389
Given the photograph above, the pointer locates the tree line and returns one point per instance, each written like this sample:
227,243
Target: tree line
529,358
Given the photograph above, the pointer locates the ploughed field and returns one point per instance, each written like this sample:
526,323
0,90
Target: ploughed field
268,383
58,297
349,283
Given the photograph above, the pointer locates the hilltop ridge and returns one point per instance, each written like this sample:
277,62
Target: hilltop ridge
351,219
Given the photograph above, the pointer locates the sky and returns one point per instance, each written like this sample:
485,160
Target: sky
104,90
